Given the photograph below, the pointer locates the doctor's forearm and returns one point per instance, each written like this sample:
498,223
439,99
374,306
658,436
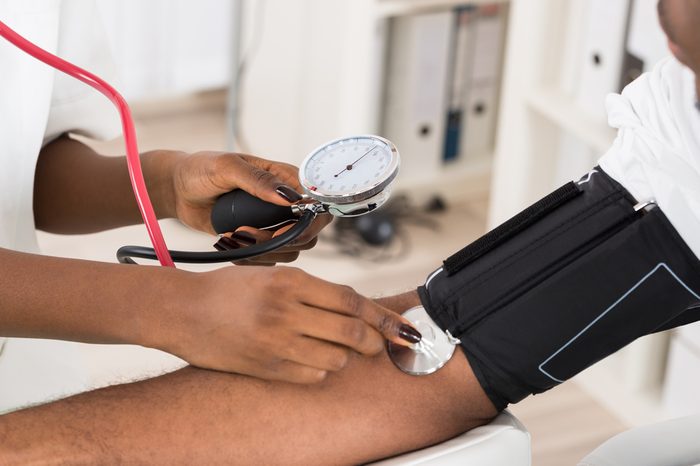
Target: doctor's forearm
48,297
77,190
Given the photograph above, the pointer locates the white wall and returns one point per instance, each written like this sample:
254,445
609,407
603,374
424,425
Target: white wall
164,47
309,76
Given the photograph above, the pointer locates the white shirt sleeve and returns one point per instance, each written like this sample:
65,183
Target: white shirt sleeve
656,154
75,106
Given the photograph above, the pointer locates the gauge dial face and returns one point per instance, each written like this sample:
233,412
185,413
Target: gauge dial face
349,169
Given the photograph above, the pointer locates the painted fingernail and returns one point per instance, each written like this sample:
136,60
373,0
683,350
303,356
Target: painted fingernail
225,244
288,194
410,334
244,238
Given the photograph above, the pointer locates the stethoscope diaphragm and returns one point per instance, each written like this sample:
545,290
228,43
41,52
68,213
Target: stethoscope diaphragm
431,353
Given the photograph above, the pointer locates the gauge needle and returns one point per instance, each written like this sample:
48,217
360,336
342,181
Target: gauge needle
349,167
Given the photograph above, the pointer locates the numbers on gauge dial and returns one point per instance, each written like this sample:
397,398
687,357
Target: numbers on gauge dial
349,166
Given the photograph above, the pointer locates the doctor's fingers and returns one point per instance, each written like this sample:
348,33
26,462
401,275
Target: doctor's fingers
344,300
266,260
287,172
349,332
283,255
247,236
317,354
269,260
307,240
288,371
259,177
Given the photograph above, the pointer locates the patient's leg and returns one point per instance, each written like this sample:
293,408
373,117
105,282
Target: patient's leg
367,411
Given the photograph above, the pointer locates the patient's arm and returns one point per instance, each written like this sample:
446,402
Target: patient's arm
367,411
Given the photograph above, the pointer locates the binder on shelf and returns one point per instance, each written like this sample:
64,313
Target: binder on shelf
597,55
480,123
601,54
462,60
479,126
415,89
489,33
474,81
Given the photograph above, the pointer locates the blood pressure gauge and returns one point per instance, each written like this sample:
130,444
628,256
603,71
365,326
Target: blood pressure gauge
350,176
345,177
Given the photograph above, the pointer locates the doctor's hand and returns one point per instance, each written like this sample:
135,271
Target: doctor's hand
199,179
276,323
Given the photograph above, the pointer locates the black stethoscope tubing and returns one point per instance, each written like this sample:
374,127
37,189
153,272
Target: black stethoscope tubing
125,254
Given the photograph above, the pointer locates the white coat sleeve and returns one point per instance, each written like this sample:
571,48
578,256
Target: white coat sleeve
75,106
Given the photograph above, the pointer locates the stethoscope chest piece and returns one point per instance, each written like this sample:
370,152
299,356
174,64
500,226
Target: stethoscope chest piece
431,353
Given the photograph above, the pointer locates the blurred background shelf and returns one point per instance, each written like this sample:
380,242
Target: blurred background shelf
562,110
403,7
371,66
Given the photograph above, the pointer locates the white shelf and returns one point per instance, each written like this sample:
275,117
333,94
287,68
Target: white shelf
459,180
402,7
561,110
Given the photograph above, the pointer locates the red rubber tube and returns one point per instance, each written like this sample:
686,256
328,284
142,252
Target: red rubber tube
132,153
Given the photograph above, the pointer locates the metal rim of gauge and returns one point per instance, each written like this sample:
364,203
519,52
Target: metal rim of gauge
351,197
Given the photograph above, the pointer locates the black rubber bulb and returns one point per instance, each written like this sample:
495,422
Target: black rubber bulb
238,208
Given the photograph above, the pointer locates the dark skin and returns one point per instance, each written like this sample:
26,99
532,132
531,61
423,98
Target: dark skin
279,328
367,411
679,20
182,186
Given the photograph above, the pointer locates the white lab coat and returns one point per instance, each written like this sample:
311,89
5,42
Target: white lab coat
36,105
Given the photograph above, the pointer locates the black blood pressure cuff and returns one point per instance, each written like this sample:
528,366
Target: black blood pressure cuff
563,284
